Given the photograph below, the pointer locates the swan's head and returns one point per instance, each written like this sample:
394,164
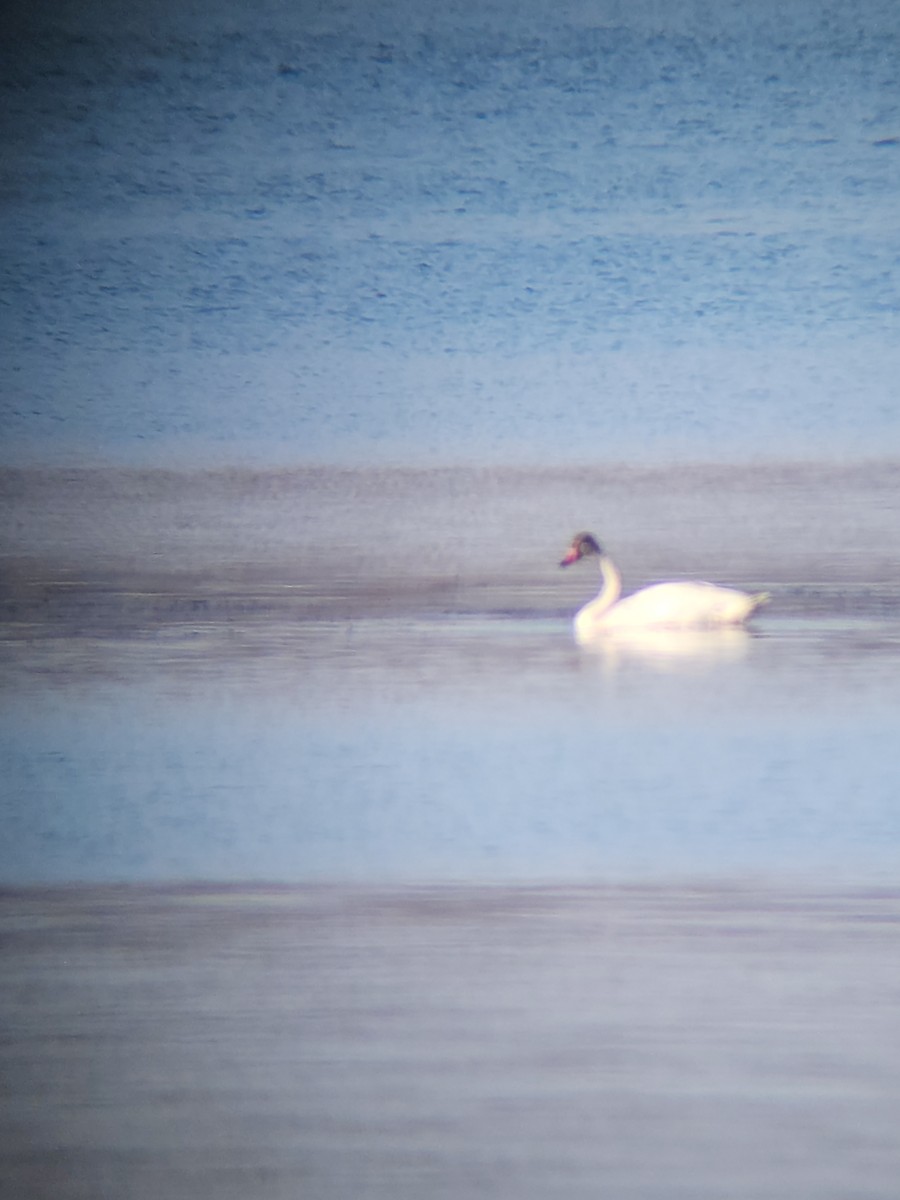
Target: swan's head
584,545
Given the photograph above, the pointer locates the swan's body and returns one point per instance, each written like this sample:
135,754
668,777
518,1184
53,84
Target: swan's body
684,605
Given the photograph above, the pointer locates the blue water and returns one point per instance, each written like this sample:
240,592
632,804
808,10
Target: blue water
616,771
491,231
417,898
327,674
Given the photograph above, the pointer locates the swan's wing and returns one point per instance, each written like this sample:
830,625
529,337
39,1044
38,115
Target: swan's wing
681,605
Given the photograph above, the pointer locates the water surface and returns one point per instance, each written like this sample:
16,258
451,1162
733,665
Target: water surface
652,1042
333,867
375,232
367,675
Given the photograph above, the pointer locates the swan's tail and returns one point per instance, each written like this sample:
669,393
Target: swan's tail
758,599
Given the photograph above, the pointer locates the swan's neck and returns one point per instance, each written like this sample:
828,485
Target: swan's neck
611,588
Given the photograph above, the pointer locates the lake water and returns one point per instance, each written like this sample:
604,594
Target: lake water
650,1042
370,675
331,866
369,232
385,888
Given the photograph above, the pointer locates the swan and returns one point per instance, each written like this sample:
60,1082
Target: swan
684,605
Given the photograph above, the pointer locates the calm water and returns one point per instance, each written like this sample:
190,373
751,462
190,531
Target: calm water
373,231
332,867
454,748
642,1042
383,685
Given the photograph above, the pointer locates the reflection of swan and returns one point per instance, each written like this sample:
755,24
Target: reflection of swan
671,649
667,606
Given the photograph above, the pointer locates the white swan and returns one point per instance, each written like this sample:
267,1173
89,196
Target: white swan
684,605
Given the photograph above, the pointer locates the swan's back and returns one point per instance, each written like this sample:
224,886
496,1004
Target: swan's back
684,605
